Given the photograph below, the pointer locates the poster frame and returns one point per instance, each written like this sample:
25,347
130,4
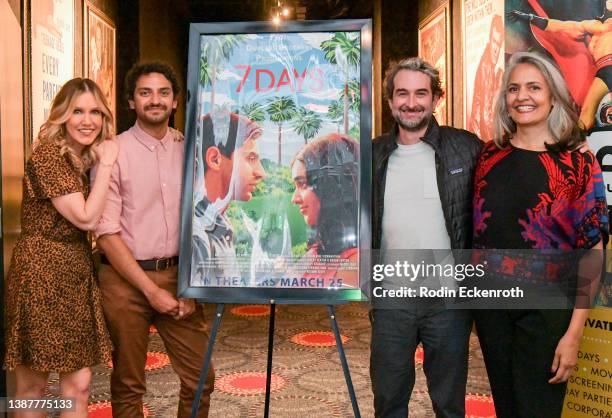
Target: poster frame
274,294
426,24
464,70
28,76
90,9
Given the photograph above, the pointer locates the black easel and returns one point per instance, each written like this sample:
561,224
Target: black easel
213,336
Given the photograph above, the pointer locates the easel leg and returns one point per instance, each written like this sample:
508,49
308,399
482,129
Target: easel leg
211,342
345,368
269,364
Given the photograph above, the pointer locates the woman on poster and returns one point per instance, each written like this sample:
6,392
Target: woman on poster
54,315
325,174
533,192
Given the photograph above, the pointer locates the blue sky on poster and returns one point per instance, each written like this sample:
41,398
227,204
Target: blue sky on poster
264,66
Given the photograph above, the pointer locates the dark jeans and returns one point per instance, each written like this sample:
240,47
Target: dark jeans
395,335
518,348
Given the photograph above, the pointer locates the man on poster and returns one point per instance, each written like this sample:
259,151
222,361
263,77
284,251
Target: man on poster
139,236
486,82
596,35
421,201
232,170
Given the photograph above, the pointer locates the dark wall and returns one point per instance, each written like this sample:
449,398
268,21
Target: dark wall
127,53
399,39
164,37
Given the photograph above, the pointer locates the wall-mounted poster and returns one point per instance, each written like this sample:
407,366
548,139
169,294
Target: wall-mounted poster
99,56
578,37
435,48
483,62
51,57
278,138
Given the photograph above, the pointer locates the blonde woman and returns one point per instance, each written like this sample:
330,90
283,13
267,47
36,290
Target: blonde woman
54,316
535,192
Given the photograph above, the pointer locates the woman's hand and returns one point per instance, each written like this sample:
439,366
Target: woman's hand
566,356
107,151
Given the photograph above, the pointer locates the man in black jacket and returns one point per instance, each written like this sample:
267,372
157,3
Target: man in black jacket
422,201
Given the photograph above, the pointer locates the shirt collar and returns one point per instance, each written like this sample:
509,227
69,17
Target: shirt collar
147,140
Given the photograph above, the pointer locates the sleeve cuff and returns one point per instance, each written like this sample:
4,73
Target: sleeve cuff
106,228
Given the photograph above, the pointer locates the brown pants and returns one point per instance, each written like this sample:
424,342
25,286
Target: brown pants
129,316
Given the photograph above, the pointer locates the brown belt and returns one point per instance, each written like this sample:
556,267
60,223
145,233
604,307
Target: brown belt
155,264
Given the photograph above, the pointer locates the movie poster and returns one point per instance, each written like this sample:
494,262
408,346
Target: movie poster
483,63
275,196
100,53
578,37
435,48
52,54
589,390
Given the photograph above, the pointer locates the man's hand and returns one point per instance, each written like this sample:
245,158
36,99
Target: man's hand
163,302
584,148
186,308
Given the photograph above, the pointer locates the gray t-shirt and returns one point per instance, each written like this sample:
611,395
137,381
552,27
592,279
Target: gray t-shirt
413,221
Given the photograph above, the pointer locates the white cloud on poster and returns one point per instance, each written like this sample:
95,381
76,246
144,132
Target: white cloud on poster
316,108
315,39
227,75
329,94
220,99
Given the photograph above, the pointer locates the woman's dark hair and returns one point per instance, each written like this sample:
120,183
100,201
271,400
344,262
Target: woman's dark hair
332,170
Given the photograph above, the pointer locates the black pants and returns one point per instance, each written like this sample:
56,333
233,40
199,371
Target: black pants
519,348
445,337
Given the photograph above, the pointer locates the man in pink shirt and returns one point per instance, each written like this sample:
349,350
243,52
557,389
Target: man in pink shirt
139,236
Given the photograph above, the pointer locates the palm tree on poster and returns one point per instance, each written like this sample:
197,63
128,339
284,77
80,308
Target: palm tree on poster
354,96
280,109
253,111
306,123
343,51
334,113
214,50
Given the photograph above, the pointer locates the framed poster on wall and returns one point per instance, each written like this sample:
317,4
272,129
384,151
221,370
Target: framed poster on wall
578,38
100,52
435,48
483,62
49,39
277,179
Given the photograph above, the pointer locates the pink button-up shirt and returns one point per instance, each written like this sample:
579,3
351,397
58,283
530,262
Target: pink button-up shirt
143,203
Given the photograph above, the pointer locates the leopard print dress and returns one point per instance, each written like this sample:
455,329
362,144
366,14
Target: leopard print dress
54,312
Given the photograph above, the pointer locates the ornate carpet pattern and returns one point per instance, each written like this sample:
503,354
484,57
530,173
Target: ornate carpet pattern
307,376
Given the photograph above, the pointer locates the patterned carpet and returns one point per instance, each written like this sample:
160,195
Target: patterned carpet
307,376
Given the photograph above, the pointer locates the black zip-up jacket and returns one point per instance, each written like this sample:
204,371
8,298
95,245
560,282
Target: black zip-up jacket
457,152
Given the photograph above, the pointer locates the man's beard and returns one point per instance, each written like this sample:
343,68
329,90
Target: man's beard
160,118
412,125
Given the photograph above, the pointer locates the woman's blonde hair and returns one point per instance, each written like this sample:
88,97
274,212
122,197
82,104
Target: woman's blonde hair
563,120
54,128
